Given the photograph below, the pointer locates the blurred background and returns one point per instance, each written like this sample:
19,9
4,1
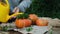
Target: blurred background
45,8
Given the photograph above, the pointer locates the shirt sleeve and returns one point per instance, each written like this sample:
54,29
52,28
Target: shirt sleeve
24,4
11,5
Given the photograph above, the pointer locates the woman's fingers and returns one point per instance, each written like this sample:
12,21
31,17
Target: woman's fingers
16,10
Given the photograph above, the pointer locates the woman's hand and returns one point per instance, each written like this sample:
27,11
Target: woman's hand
16,10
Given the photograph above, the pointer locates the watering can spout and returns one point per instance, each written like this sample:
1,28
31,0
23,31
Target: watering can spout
10,16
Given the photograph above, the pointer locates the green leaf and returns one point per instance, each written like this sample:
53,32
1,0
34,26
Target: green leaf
5,28
29,29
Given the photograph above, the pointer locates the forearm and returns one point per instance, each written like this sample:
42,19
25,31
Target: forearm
24,4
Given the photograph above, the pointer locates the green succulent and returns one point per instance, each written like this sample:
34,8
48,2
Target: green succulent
29,29
22,16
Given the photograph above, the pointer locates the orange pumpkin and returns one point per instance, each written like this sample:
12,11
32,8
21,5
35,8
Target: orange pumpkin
33,17
41,22
20,23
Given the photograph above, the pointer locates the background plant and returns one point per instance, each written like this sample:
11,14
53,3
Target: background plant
45,8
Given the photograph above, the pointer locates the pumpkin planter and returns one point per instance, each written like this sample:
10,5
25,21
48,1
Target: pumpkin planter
41,22
23,21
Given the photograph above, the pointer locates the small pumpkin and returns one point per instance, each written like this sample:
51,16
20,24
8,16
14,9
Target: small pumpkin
22,21
41,22
33,17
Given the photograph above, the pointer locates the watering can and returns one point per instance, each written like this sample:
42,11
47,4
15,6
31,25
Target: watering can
4,12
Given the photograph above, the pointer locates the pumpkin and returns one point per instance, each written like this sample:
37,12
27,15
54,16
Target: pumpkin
41,22
22,21
33,17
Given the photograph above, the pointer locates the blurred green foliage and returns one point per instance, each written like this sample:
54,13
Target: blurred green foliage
45,8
